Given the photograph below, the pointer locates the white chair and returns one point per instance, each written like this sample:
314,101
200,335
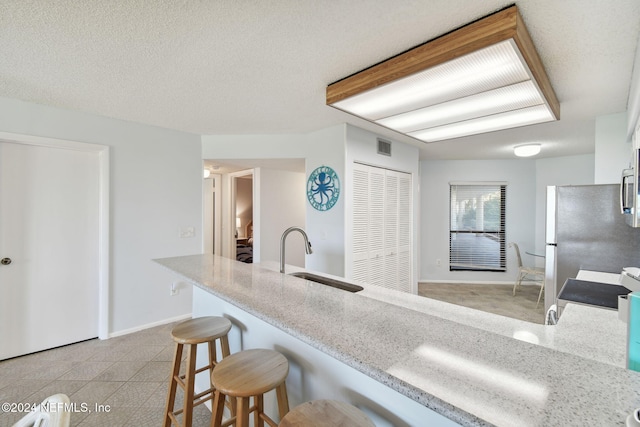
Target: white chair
534,274
52,412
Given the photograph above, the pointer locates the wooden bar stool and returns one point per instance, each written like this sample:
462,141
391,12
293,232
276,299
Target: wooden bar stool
326,413
191,333
247,374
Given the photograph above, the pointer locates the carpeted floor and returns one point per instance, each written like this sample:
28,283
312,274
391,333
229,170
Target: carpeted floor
497,299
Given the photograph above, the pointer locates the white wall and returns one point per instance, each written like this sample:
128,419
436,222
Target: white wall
156,181
324,147
434,236
326,229
268,146
526,203
156,187
362,147
278,207
613,149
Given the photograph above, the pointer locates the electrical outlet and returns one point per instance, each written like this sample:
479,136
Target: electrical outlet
174,290
439,262
186,232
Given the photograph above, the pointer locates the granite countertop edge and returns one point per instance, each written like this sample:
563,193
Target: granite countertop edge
348,356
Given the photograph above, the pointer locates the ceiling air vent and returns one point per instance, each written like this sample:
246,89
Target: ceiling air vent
384,147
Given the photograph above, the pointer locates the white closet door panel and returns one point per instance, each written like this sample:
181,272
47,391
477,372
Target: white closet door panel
391,271
404,212
404,271
376,210
391,213
376,225
376,270
382,227
361,270
360,211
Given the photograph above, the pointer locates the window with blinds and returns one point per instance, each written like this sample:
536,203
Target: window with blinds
477,227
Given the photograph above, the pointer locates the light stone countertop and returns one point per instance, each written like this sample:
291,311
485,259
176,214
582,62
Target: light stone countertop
461,363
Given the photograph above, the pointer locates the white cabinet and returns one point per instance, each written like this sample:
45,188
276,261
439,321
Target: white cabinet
382,227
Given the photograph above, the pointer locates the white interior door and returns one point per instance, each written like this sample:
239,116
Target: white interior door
49,229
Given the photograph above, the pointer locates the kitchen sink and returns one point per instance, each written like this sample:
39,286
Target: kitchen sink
327,281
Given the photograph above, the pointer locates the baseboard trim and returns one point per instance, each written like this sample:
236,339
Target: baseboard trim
149,325
476,282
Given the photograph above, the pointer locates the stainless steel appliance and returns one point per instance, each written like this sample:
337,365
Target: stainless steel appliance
602,295
629,197
585,231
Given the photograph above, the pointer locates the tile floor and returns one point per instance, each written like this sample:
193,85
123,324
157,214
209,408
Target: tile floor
130,374
497,299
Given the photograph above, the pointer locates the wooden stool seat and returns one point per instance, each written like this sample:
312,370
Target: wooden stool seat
191,333
201,330
247,374
326,413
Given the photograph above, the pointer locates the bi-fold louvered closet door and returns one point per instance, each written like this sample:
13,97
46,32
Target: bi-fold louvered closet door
382,227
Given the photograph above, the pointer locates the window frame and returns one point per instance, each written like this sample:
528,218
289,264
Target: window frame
476,255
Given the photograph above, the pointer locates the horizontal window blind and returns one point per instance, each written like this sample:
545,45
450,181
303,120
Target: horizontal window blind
477,227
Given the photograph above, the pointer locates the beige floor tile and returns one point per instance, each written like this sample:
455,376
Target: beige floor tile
95,392
143,352
147,416
158,398
120,371
86,370
115,417
154,371
113,354
165,355
97,372
75,352
56,387
497,299
48,369
132,394
19,390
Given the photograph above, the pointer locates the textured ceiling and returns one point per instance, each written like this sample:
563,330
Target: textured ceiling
252,67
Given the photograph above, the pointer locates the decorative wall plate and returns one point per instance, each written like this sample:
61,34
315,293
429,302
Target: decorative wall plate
323,188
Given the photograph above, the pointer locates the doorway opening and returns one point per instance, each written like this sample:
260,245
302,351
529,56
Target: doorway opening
243,214
243,184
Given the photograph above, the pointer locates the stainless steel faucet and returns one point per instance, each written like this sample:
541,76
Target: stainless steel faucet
307,244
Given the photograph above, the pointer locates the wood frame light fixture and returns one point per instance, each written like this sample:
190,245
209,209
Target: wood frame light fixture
482,77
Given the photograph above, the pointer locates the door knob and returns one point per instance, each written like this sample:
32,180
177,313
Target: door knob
5,261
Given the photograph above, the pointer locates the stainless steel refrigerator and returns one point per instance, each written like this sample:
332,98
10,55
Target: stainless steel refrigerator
586,231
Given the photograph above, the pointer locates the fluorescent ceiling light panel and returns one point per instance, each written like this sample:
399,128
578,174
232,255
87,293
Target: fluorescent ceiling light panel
506,120
496,101
480,71
447,87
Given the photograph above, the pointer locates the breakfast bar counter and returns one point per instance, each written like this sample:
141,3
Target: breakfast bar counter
466,369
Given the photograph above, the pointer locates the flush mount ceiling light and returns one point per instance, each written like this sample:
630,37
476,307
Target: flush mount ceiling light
526,150
483,77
